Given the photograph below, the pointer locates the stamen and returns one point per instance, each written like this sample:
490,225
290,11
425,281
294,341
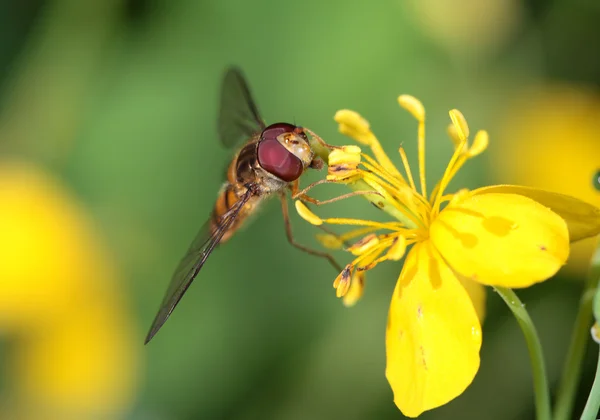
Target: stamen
394,226
345,196
356,233
410,204
372,264
452,199
480,143
459,196
414,106
352,124
365,265
453,134
342,173
365,261
333,240
451,174
330,240
342,281
455,163
306,214
357,287
405,205
382,172
355,126
447,197
459,121
383,159
407,168
364,245
421,147
345,154
398,249
343,163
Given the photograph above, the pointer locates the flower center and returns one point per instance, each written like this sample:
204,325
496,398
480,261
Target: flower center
395,193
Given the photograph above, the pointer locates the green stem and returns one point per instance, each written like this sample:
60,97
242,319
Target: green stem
592,405
540,381
573,364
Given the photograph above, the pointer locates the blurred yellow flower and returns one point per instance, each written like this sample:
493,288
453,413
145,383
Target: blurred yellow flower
496,236
74,352
555,133
467,27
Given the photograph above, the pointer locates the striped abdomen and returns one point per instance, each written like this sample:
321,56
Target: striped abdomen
239,173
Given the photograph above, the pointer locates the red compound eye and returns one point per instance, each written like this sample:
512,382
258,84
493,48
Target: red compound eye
274,157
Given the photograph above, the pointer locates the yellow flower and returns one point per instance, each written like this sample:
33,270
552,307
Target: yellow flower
564,120
74,339
499,236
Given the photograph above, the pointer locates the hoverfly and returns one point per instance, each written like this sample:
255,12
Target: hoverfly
269,162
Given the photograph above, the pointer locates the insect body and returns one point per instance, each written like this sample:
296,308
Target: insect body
271,160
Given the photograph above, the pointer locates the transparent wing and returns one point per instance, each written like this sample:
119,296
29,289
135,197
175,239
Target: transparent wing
204,243
239,118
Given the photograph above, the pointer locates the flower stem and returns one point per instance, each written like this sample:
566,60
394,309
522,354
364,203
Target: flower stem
592,405
540,381
572,368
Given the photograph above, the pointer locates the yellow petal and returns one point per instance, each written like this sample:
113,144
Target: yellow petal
433,334
477,294
501,239
583,219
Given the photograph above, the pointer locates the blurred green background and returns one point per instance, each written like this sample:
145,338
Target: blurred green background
110,163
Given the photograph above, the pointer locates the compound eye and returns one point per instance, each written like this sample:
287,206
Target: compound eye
274,157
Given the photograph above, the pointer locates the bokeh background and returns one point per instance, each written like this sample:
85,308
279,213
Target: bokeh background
109,164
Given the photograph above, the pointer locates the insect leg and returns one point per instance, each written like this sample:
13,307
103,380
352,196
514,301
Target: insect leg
292,241
301,194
